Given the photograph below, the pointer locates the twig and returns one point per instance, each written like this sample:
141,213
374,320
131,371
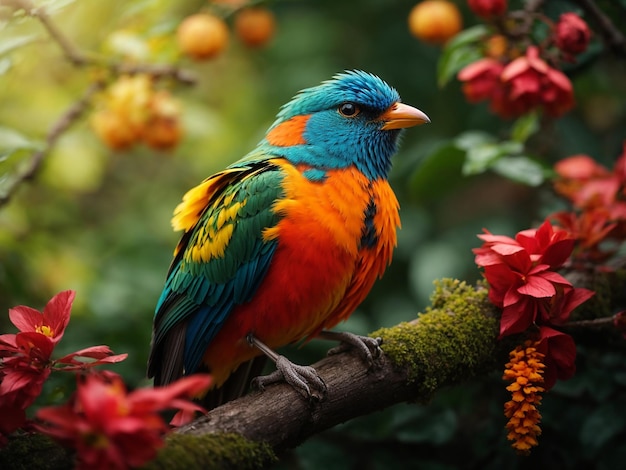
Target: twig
69,117
612,35
605,322
71,53
156,71
80,59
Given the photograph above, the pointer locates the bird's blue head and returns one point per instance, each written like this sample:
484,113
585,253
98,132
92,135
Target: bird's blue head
353,119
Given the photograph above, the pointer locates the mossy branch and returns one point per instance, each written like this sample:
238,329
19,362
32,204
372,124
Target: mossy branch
453,341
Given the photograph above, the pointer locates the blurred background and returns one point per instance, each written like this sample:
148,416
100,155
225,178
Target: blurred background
97,220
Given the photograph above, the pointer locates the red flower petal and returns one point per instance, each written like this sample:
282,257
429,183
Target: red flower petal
25,318
102,354
57,312
560,355
161,397
557,253
576,297
579,167
516,318
35,345
7,343
538,287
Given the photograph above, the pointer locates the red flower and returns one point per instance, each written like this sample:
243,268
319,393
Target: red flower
26,357
113,429
572,34
481,79
524,75
20,385
599,195
586,183
532,83
24,367
560,355
51,323
590,228
580,167
521,277
543,245
488,8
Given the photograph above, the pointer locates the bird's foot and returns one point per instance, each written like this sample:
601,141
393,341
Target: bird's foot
303,378
366,347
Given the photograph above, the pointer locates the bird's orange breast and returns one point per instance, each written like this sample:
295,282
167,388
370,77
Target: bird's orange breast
321,269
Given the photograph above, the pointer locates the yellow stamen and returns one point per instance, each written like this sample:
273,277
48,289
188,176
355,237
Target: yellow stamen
45,330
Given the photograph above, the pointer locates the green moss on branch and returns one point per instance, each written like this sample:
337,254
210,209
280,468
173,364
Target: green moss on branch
453,340
212,451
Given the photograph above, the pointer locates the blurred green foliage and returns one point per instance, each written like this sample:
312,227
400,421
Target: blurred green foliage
97,221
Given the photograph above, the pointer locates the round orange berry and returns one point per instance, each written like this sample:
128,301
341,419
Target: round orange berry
496,46
162,133
202,36
113,129
163,130
435,21
255,26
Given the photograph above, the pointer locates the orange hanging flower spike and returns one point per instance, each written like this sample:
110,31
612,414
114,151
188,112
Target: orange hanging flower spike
525,371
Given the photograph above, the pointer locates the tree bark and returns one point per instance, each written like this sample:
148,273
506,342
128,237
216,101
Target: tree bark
453,341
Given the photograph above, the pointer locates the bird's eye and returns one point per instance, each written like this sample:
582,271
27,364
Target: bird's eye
349,109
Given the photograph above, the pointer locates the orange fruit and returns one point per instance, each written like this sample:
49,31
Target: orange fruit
202,36
162,133
255,26
113,129
163,130
435,21
496,46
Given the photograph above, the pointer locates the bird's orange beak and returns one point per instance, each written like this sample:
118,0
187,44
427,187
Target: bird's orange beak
401,115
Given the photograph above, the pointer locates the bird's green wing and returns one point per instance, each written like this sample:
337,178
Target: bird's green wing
219,262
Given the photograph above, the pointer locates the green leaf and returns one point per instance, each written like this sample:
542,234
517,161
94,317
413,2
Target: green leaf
468,140
483,156
524,127
468,36
460,51
521,168
451,63
8,44
480,158
12,141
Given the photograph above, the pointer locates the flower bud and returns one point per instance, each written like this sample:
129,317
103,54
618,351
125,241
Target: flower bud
571,34
488,8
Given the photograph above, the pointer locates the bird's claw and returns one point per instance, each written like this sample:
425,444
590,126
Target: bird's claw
367,347
303,378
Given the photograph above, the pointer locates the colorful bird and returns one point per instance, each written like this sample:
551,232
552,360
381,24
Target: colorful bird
285,243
